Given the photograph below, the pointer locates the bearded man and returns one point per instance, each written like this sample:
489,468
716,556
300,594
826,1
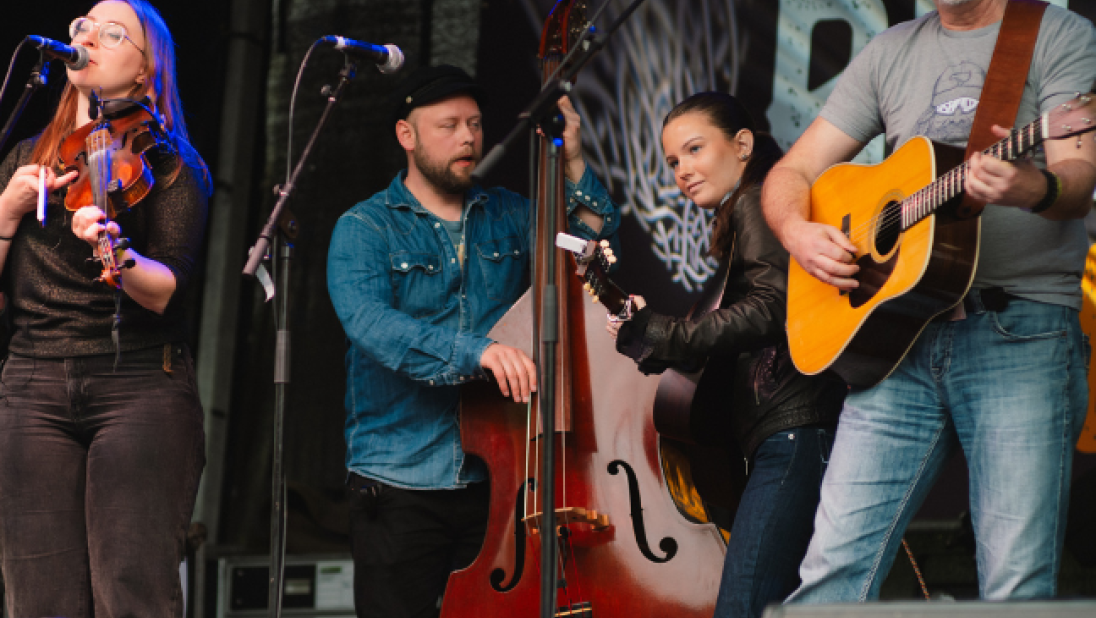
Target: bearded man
418,274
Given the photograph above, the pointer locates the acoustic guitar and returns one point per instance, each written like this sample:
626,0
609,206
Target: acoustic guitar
916,258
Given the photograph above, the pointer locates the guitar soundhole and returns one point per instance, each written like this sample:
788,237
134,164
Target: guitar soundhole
888,228
877,266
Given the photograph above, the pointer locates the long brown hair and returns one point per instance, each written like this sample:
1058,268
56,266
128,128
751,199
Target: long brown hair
160,83
725,113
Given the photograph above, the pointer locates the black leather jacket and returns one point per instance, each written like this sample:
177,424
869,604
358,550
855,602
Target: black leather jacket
743,339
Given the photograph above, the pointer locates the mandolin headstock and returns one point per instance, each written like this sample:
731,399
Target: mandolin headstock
594,259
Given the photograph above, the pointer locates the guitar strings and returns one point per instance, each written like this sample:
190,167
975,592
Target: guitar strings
950,184
928,199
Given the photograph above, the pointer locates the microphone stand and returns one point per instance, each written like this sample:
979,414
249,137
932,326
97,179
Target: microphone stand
39,76
284,251
542,112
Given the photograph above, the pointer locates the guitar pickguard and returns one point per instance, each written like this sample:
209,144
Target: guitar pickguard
877,265
872,276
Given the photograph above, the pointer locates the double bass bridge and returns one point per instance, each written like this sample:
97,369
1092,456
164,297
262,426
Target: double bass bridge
576,610
570,515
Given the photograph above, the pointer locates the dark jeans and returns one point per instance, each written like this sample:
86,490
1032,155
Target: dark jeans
406,543
774,522
98,475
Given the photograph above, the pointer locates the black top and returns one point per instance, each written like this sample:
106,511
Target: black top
57,307
742,343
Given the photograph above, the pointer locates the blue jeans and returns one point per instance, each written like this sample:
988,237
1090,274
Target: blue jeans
774,521
1010,389
98,474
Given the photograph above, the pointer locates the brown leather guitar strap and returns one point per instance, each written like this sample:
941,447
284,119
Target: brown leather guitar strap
1008,70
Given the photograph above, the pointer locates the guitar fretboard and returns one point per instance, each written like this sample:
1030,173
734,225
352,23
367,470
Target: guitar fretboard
926,201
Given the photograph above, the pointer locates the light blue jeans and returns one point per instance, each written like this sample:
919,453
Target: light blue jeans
1009,388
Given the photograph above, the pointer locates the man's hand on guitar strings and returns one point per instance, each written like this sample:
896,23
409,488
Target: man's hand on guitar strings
824,252
993,181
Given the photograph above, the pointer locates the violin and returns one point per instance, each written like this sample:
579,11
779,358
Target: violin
118,158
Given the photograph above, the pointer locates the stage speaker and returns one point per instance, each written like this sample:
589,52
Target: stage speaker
938,609
315,586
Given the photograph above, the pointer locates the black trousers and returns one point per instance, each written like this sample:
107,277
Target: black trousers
406,542
98,474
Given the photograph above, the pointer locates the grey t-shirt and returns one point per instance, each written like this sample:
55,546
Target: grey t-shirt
919,78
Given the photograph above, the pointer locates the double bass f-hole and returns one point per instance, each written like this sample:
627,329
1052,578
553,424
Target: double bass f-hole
639,529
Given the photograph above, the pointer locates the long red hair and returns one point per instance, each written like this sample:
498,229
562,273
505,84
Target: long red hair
159,85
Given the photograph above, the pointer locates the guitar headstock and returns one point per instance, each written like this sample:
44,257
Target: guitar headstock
1073,117
594,259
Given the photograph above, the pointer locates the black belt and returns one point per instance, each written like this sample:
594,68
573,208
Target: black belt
363,485
979,300
987,299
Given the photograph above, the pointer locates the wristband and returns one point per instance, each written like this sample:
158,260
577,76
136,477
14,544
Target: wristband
1054,189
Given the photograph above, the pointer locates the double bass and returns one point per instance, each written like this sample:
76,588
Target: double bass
623,547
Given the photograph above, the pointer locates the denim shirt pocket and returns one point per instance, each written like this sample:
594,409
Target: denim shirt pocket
502,267
419,290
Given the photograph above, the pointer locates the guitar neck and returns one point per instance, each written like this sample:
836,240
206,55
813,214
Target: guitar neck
948,186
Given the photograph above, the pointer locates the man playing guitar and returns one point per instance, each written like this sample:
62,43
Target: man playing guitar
1003,374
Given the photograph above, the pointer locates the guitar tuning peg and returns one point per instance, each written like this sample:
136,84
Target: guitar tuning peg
593,297
604,244
611,259
586,286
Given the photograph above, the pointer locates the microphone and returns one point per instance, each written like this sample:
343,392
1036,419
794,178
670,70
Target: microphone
389,58
75,56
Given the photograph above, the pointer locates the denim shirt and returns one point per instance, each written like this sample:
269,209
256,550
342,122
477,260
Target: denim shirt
416,322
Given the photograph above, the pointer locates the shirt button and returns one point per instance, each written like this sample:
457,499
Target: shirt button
578,193
404,265
452,259
595,202
496,254
436,224
430,267
431,382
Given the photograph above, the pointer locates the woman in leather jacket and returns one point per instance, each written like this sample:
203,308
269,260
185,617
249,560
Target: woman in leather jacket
782,420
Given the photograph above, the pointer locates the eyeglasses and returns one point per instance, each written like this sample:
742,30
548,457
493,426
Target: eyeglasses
111,34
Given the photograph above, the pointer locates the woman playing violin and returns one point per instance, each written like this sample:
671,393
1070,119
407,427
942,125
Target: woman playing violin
782,420
101,440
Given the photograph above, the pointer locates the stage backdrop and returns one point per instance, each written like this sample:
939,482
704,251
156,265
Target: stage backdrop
779,56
